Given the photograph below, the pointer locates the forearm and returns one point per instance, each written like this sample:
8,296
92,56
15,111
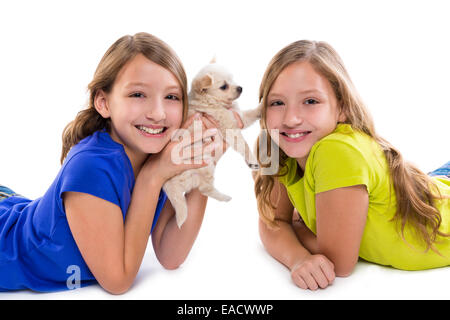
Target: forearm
176,243
306,237
138,224
282,244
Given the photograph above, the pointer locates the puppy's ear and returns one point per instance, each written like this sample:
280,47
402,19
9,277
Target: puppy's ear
201,85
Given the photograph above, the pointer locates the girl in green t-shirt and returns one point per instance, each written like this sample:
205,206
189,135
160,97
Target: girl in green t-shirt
340,191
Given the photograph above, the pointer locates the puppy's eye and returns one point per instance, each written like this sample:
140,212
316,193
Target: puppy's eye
224,87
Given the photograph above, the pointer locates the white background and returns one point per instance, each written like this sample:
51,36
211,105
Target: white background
397,53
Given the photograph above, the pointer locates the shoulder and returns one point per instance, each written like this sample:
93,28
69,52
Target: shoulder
341,159
97,151
343,145
94,158
97,161
100,168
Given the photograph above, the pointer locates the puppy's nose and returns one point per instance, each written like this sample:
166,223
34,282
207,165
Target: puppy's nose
239,89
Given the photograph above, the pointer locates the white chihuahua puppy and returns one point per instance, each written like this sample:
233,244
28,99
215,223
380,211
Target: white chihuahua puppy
213,92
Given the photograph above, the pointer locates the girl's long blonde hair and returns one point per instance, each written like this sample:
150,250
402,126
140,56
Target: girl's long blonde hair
123,50
415,191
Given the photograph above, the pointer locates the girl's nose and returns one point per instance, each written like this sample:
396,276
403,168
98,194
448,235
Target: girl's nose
156,111
292,117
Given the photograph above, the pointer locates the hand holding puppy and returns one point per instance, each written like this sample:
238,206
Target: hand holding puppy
163,162
213,93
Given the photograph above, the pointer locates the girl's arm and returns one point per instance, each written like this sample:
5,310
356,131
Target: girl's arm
340,220
112,249
282,243
172,244
307,238
307,270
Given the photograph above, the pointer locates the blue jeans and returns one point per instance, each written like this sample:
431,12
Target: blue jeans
6,192
442,171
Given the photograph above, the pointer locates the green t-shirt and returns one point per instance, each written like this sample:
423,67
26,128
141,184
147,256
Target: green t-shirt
346,158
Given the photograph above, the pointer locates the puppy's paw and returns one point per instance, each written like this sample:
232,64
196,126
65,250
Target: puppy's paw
181,218
226,198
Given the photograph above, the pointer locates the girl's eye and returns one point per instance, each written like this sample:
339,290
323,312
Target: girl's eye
224,87
137,95
311,101
277,103
172,97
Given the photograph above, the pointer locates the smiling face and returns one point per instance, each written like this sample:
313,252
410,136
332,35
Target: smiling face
145,107
302,105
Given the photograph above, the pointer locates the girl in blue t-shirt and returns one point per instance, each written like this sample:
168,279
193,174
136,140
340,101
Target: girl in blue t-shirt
93,223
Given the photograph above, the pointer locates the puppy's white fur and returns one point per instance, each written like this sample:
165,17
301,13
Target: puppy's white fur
213,92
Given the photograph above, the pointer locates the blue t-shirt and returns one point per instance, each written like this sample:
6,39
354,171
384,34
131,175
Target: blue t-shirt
37,249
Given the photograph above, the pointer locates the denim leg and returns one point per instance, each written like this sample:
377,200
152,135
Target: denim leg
441,171
6,192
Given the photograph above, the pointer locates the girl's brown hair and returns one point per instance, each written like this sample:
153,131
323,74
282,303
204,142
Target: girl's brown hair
415,191
123,50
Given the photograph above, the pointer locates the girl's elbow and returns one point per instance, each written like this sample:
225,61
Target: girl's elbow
343,269
343,273
117,289
170,262
265,231
344,262
116,284
170,265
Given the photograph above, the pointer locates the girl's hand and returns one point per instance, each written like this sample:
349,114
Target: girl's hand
238,119
185,151
313,272
220,141
222,146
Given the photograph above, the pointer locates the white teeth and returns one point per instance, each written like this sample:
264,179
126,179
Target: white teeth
150,130
296,135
